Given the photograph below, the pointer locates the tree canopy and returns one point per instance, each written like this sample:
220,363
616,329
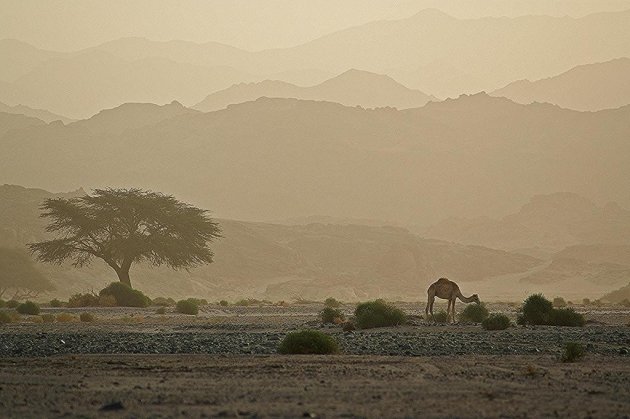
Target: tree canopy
125,226
18,272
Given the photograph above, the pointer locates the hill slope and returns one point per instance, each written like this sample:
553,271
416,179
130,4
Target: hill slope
586,88
351,88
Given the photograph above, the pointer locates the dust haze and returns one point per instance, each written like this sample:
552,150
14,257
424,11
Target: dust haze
236,171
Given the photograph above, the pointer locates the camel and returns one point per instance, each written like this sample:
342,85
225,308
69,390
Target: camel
448,290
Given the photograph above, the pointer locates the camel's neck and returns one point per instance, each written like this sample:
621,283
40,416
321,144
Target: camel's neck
465,299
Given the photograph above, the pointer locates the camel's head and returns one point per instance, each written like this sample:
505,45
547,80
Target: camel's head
475,298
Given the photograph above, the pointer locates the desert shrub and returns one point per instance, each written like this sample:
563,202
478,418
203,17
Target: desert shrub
496,321
378,314
440,317
187,307
474,313
56,303
12,304
125,295
2,303
572,352
586,301
331,315
161,310
107,301
536,310
248,302
308,342
566,317
48,318
332,302
625,302
65,317
87,317
164,302
224,303
348,326
84,300
28,307
5,317
559,302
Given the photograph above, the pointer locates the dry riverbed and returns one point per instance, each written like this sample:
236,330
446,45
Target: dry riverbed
136,363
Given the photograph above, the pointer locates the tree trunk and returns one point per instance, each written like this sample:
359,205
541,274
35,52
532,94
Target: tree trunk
123,276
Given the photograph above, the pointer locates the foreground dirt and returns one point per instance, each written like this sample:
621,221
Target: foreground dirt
313,386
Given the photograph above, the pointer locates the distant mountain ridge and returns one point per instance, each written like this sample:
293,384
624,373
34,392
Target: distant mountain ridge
351,88
42,114
589,87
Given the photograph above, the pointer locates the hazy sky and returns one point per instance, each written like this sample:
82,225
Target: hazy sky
250,24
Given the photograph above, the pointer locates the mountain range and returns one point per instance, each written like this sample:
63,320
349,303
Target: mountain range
273,159
352,88
430,51
590,87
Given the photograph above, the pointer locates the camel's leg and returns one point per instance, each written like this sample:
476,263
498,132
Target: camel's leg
453,311
431,308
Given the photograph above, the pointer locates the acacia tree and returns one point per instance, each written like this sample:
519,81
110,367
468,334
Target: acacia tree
18,273
125,226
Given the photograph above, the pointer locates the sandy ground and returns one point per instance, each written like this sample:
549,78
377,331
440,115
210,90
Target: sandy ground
313,386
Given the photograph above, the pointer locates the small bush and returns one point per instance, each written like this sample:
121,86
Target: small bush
248,302
125,296
224,303
566,317
536,310
187,307
572,352
440,317
586,301
378,314
496,322
163,302
28,307
625,302
332,303
48,318
65,318
331,315
559,302
2,303
348,326
12,304
308,342
5,317
107,301
87,317
83,300
475,313
161,310
56,303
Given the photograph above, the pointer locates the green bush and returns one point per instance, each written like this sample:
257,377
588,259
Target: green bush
536,310
161,310
440,317
125,296
559,302
87,317
378,314
187,307
308,342
586,301
28,307
5,317
566,317
474,313
48,318
2,303
164,302
331,315
332,303
12,304
84,300
248,302
496,321
56,303
224,303
572,352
